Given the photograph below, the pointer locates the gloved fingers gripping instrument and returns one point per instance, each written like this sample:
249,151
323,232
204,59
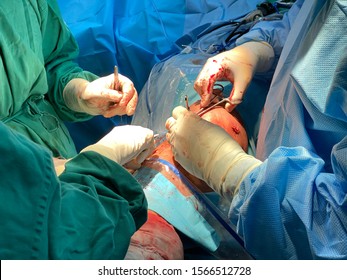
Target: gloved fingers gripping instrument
105,96
128,145
208,152
238,66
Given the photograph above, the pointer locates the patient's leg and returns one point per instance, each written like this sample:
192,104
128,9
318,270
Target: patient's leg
155,240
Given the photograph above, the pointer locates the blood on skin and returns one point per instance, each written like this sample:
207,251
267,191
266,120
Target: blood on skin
236,129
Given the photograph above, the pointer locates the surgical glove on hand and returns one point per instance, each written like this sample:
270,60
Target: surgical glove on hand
125,144
104,96
238,66
208,152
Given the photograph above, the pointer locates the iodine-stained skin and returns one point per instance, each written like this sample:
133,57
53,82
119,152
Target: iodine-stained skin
155,240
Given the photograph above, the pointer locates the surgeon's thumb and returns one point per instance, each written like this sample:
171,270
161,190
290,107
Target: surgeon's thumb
236,95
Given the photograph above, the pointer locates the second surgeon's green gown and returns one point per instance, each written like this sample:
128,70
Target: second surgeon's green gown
36,62
90,212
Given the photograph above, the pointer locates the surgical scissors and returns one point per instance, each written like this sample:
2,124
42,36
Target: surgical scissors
218,93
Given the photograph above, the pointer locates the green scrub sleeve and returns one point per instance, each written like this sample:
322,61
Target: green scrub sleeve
60,51
110,208
89,212
120,183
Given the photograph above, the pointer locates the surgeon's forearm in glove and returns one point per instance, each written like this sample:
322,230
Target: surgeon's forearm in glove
238,66
104,96
206,151
128,145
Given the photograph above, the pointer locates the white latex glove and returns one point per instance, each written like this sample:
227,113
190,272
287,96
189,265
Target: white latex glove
238,66
104,96
208,152
125,144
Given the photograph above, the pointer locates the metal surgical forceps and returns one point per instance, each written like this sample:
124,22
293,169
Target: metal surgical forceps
218,93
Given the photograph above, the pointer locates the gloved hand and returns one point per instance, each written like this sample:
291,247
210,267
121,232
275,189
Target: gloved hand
208,152
125,144
237,65
103,96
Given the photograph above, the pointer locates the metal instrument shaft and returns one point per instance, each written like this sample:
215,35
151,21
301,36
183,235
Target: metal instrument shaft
204,110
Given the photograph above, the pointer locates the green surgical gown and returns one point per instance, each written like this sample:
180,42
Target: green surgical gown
89,212
37,53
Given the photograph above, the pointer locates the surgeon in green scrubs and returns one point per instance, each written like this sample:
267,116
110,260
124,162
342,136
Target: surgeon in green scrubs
89,212
40,84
